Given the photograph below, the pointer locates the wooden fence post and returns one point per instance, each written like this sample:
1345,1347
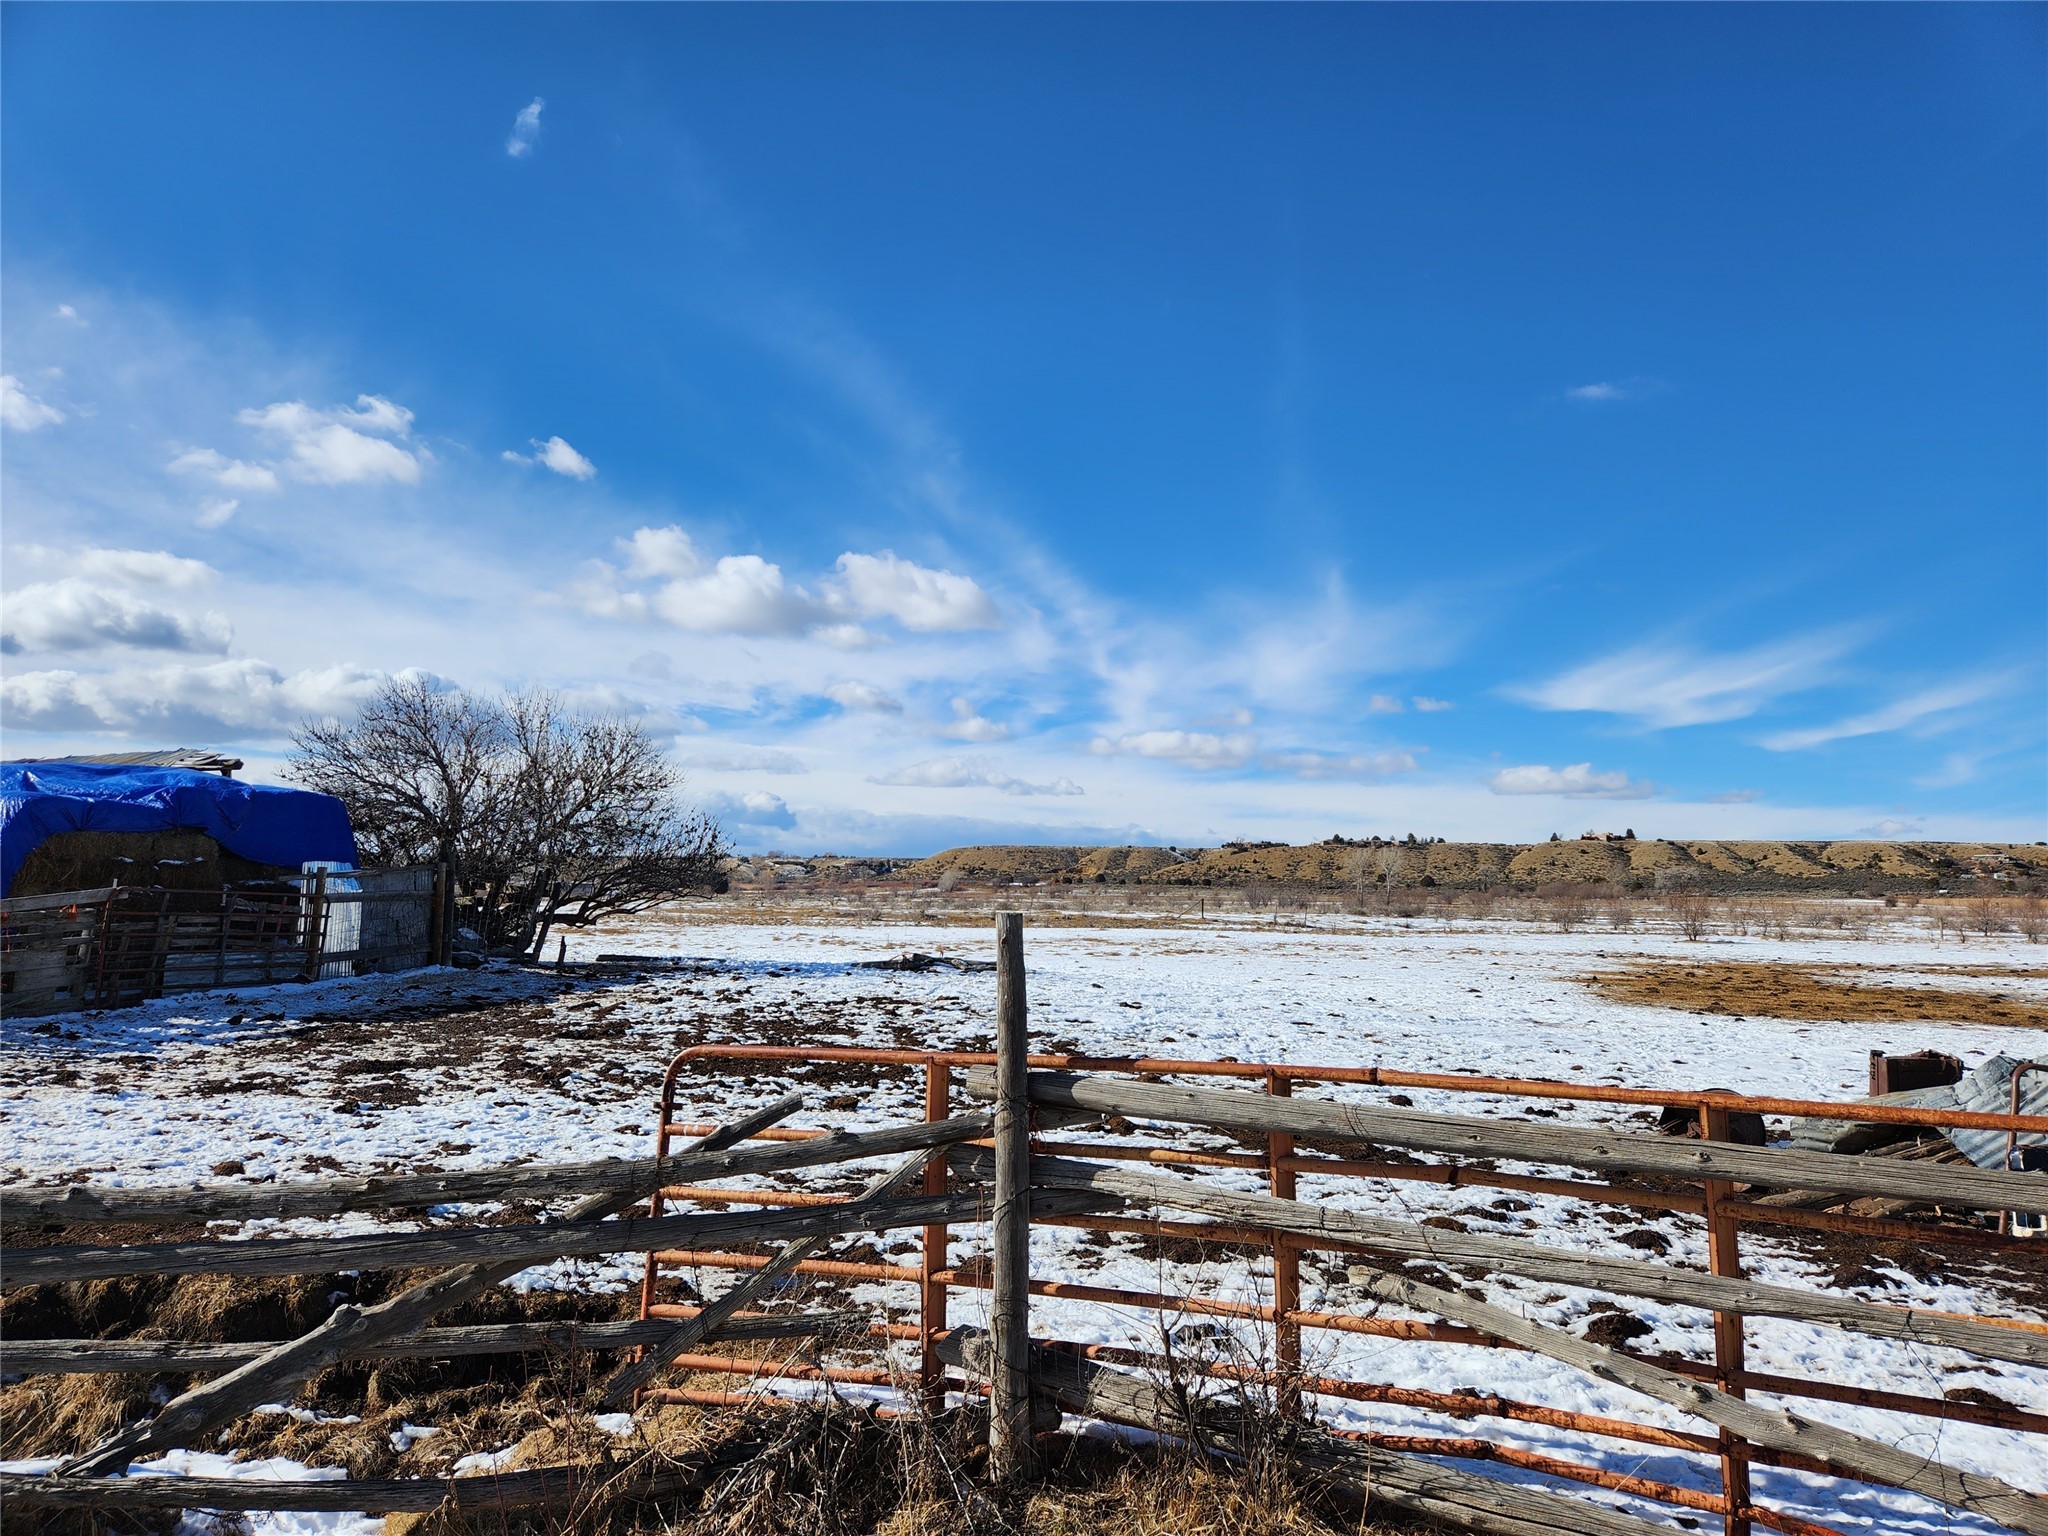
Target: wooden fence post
316,926
1286,1264
933,1255
1724,1257
1011,1453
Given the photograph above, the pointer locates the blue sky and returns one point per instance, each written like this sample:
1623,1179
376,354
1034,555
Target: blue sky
1056,423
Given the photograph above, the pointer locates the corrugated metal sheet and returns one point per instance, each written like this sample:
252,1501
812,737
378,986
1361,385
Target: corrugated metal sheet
175,757
1989,1091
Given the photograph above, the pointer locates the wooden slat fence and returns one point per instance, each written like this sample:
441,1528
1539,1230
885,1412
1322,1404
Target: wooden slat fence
116,946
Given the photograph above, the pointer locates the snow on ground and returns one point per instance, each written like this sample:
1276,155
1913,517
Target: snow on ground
473,1069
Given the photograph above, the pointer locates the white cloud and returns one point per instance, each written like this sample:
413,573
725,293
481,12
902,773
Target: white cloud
1663,687
661,552
249,697
864,696
1736,797
1197,749
22,411
1384,704
1338,765
215,511
525,130
340,446
67,312
745,594
557,455
739,595
757,808
75,614
915,596
967,725
743,759
1925,706
972,773
1428,706
135,567
1577,782
1890,827
235,474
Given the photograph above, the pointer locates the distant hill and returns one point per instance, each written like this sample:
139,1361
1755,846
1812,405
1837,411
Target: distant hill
1645,863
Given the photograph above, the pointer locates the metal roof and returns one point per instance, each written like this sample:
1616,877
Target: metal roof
174,757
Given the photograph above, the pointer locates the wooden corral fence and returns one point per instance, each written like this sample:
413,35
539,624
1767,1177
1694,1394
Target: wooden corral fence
1060,1139
118,945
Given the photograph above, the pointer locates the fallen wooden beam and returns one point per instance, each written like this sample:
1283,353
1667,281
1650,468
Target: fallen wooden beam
1461,1498
146,1357
1579,1146
539,1487
2022,1344
222,1201
1856,1455
520,1246
280,1372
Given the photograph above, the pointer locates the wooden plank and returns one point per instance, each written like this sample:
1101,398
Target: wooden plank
519,1245
1463,1499
210,1201
1011,1452
12,905
679,1338
2026,1345
1855,1454
1582,1146
149,1357
279,1373
540,1487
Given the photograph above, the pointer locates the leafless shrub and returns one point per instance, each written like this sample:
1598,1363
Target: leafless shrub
1693,911
2030,918
1566,903
1986,914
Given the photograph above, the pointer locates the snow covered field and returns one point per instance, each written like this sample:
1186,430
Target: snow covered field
469,1069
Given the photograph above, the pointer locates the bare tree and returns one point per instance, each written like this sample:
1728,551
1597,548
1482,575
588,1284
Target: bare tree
419,770
546,816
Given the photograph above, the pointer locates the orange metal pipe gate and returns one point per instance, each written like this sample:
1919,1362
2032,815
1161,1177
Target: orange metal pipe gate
1725,1215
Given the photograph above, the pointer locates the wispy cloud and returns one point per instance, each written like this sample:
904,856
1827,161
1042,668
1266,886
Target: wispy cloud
1607,391
972,773
865,697
21,411
234,474
1339,765
1662,687
525,130
1196,749
1928,712
1576,782
1424,704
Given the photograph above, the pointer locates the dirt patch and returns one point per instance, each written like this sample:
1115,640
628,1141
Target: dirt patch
1745,989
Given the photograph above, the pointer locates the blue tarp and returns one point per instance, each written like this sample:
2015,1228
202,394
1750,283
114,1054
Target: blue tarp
260,822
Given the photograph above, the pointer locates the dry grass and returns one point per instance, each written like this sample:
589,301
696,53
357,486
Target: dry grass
1763,990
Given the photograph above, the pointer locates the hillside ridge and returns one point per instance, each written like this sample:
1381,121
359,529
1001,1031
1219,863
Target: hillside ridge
1848,867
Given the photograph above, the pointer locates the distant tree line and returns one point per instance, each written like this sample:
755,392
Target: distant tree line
543,814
